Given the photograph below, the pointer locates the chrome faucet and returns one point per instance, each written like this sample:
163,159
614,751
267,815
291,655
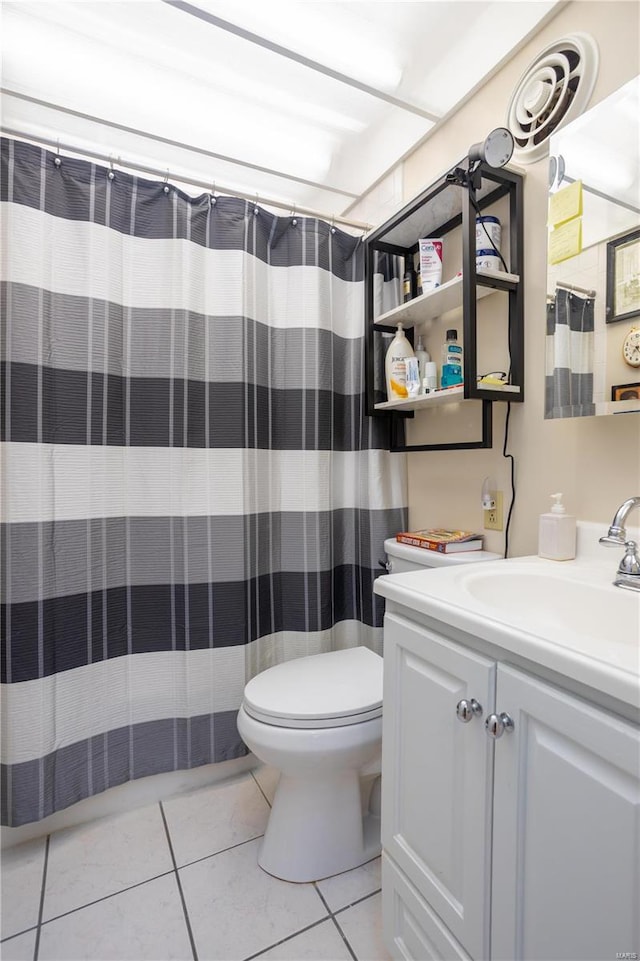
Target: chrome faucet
628,573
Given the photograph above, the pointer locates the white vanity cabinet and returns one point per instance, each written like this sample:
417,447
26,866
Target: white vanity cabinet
524,846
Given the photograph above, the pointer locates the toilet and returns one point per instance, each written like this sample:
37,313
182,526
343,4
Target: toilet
318,720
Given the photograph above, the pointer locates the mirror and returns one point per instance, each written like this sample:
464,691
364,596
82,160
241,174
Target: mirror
593,261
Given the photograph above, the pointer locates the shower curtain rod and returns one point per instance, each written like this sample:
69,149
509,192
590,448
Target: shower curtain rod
292,208
573,290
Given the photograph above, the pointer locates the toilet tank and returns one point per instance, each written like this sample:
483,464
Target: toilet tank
403,557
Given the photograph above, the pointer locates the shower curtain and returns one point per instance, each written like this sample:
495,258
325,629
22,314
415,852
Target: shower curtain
191,491
569,356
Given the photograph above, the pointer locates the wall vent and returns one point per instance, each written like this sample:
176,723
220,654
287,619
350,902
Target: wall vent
553,90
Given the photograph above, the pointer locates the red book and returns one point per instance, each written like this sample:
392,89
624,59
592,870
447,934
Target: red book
444,541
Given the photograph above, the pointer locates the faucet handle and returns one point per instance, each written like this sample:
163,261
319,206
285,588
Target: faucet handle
630,563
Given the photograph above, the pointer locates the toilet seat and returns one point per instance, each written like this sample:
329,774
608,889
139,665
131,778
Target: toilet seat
324,690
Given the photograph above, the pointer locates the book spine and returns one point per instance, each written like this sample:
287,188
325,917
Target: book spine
421,542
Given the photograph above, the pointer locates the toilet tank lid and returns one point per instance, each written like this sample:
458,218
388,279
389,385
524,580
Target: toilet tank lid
418,555
331,685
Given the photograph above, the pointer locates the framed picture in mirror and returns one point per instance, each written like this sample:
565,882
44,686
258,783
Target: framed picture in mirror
623,277
625,392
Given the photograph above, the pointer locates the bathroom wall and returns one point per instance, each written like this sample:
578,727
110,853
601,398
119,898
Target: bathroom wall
595,461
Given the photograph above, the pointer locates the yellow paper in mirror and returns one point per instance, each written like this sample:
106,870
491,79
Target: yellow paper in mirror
565,204
565,241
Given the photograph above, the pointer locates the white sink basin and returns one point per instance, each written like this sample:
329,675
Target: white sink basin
567,617
554,605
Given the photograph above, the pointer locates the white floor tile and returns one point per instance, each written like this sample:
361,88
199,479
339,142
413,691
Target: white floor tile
22,869
102,857
267,777
214,818
321,943
362,926
143,924
21,948
236,909
344,889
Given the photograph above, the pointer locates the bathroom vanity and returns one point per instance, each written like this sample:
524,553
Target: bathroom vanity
511,762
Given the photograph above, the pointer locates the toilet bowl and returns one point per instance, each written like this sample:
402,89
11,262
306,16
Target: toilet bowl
318,720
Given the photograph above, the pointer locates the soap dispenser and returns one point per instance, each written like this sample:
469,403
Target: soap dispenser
557,533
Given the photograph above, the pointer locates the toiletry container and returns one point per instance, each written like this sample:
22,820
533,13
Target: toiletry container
409,281
395,366
488,231
422,357
557,533
451,360
430,379
430,262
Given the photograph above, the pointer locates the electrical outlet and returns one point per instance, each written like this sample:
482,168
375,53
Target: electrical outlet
493,518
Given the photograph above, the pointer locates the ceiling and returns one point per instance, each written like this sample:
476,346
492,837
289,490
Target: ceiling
309,103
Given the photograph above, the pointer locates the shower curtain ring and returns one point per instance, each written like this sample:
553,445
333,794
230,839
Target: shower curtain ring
333,224
256,209
57,159
294,221
165,189
111,175
212,196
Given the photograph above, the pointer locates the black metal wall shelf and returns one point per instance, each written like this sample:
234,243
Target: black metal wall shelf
439,209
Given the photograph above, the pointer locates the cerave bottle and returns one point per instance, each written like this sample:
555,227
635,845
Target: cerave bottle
395,366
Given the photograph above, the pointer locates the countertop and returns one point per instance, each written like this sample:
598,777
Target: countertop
564,616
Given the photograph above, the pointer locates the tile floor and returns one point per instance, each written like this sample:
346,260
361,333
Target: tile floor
180,880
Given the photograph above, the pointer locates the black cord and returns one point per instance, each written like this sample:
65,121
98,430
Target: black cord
513,479
493,246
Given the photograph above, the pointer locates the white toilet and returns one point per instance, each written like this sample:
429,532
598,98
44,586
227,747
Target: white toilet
318,720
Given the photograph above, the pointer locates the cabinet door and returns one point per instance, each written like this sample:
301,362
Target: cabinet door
566,828
436,777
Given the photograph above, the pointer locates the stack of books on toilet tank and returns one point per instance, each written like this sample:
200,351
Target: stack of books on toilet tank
444,541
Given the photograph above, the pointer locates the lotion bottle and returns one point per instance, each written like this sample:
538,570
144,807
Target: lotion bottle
396,366
557,533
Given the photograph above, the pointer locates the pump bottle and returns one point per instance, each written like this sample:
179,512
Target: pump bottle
396,366
557,533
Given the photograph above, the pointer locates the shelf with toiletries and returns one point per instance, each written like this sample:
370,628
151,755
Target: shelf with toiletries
448,395
447,297
489,328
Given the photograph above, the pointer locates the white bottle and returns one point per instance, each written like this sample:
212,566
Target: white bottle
557,533
422,357
395,367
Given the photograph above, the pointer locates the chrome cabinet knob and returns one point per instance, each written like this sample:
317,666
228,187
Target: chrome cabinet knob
497,724
467,710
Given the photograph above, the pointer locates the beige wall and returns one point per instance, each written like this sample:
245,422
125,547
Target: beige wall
595,461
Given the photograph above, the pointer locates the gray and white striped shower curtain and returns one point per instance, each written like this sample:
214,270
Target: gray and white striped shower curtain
191,491
569,356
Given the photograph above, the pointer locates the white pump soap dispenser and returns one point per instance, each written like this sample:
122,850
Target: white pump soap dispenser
557,533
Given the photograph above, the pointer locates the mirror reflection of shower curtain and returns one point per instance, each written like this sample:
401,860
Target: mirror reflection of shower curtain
569,356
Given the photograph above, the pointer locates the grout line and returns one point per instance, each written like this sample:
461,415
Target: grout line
289,937
36,947
106,897
260,788
333,918
365,897
18,934
231,847
344,938
179,883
